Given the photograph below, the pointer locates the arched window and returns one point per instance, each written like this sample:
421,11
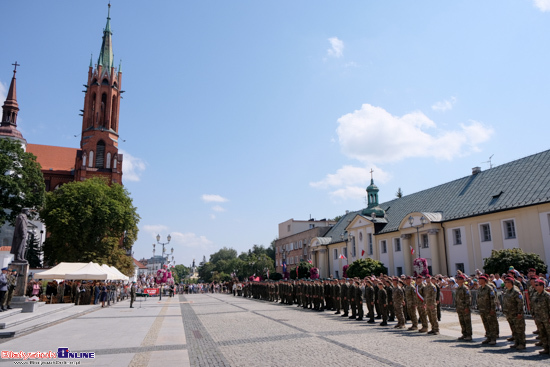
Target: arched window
103,113
115,161
91,158
113,114
100,154
105,82
92,108
84,159
108,163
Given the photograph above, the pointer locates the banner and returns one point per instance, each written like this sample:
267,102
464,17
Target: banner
152,291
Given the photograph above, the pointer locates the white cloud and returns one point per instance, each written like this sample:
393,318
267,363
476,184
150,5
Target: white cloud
336,47
132,166
373,135
212,216
189,240
349,192
218,208
154,228
3,92
542,5
444,105
213,198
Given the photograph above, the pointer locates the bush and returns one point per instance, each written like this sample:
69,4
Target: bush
501,260
365,267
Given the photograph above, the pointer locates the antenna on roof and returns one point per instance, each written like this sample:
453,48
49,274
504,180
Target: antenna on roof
489,161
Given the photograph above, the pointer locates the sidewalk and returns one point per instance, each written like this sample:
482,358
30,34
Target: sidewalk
150,334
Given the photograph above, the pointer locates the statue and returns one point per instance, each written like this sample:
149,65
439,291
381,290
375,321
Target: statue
20,234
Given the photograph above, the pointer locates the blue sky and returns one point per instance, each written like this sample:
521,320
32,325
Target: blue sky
239,115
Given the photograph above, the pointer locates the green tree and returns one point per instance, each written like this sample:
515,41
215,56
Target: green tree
399,193
206,271
21,181
223,254
179,272
90,221
501,260
34,254
270,251
337,218
364,267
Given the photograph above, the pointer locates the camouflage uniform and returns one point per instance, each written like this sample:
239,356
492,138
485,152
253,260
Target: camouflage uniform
430,299
513,305
421,308
486,304
344,298
359,301
410,296
383,305
463,300
398,300
541,306
369,300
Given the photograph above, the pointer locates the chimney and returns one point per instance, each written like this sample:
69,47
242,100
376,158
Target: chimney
476,170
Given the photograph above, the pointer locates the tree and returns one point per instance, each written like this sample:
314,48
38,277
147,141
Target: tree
21,181
337,218
270,251
34,254
223,254
206,272
90,221
364,267
501,260
399,193
179,272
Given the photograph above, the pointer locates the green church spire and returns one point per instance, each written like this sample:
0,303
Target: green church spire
106,54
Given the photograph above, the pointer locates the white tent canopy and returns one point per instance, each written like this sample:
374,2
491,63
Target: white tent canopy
116,271
90,271
112,274
59,271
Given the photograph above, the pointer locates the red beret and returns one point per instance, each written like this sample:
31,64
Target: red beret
509,279
532,270
483,277
540,281
428,276
419,277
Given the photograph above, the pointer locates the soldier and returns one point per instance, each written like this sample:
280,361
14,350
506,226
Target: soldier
420,304
132,294
541,306
486,304
513,305
359,300
411,299
12,283
337,294
369,300
430,299
344,297
463,300
398,303
389,290
352,304
383,303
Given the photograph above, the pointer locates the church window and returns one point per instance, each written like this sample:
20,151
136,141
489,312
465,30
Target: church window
84,160
103,112
115,161
105,82
108,161
91,159
100,154
113,114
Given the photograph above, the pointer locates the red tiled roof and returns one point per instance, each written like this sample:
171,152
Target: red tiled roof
53,158
139,265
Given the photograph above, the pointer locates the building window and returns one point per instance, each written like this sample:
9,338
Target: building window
296,260
397,243
425,243
336,274
100,154
288,227
459,266
361,233
108,161
305,251
485,233
370,244
383,247
345,251
399,271
509,229
335,254
457,237
353,251
91,159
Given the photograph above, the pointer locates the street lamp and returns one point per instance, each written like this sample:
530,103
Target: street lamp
153,257
423,221
163,245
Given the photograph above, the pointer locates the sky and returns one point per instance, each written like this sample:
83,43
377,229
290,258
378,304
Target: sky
239,115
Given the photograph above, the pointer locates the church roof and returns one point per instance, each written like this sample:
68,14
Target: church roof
516,184
53,158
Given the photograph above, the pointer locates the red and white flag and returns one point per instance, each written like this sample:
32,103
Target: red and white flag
412,250
309,261
343,257
362,253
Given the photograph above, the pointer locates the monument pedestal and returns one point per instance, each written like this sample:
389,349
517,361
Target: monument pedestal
19,300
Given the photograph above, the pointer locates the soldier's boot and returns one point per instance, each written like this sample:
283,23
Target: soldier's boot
486,341
433,332
371,320
493,342
423,330
539,344
535,332
510,339
414,327
337,313
359,319
538,336
378,317
461,337
383,323
515,345
391,319
544,351
520,347
468,338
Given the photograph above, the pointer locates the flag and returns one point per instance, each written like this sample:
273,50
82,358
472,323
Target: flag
412,250
362,253
419,295
309,261
284,266
343,257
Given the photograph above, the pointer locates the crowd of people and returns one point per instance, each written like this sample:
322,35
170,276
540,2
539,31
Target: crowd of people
418,299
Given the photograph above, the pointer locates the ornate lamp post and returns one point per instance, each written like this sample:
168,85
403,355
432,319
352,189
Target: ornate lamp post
423,222
163,252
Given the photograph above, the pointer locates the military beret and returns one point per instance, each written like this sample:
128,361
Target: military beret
460,276
532,270
483,277
540,281
428,276
4,269
419,277
408,277
534,278
509,279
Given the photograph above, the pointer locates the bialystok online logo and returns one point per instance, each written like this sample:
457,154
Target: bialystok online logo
62,354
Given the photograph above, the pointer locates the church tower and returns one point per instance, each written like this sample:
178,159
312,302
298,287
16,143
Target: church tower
8,126
98,154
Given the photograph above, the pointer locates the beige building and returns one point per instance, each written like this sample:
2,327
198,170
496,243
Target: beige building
454,226
294,248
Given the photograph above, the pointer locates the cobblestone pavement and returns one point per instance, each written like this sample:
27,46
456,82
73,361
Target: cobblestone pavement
225,330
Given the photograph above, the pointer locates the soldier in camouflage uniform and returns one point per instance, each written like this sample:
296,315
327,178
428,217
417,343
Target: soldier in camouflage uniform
411,299
389,290
420,304
513,306
463,301
383,303
398,303
344,297
352,305
430,299
541,306
486,304
369,300
337,291
358,300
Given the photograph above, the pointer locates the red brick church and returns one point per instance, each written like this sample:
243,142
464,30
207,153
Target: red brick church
98,154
